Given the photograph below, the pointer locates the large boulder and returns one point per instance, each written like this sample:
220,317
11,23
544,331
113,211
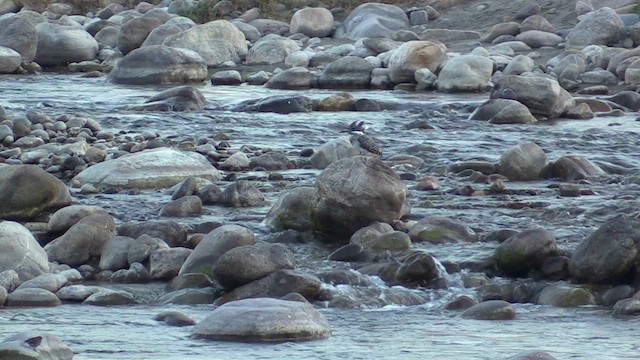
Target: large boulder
114,253
20,35
159,64
263,319
465,73
155,168
216,42
542,95
27,191
83,240
293,210
294,78
575,168
9,60
68,216
414,55
134,32
610,253
490,310
525,252
537,38
19,251
503,111
332,151
353,192
158,35
244,264
372,20
171,232
346,72
35,345
271,49
59,45
213,245
313,22
523,162
600,27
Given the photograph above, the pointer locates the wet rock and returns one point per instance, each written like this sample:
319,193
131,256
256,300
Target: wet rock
525,252
532,355
275,285
313,22
465,73
68,216
265,320
419,269
82,241
461,302
345,277
213,245
608,254
332,151
441,230
346,72
368,297
159,64
161,167
372,20
226,77
294,78
47,281
368,234
171,232
503,111
33,297
244,264
613,295
181,98
414,55
538,39
27,191
35,345
189,297
272,160
372,192
9,60
293,210
133,33
140,249
210,194
349,252
165,264
60,45
237,161
271,49
183,207
543,96
77,293
175,318
281,104
523,162
575,168
628,99
20,253
216,42
184,188
490,310
600,27
559,295
241,194
135,274
111,298
627,307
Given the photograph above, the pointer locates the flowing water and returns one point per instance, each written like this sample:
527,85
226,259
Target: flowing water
412,332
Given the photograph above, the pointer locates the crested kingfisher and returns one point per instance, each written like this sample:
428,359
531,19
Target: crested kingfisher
361,142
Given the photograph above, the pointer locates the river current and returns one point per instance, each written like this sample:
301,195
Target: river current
415,332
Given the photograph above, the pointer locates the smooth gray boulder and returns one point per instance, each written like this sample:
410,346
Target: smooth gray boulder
59,45
413,55
523,162
134,32
9,60
490,310
346,73
371,20
83,240
27,191
213,245
312,21
524,252
216,42
159,64
33,297
183,98
47,281
20,35
503,111
601,27
155,168
61,220
271,49
35,345
293,210
465,73
542,95
20,252
264,320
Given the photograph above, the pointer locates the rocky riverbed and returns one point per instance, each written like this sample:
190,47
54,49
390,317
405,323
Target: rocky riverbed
189,184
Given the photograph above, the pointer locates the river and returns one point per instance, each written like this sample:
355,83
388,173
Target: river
424,331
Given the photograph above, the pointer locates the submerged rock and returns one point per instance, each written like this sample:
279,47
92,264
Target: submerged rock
265,320
35,345
490,310
181,98
155,168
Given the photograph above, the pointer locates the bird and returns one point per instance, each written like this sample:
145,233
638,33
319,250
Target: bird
364,144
